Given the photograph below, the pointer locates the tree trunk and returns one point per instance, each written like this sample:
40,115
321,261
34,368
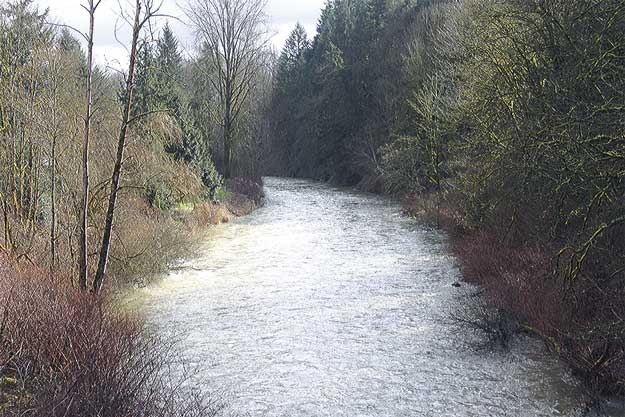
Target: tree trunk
227,149
53,207
110,213
84,208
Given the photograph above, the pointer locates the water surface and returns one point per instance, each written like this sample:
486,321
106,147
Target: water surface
327,302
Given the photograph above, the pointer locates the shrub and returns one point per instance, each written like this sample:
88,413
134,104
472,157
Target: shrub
249,187
66,353
579,320
492,326
157,194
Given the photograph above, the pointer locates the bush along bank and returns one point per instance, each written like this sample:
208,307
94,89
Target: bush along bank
67,353
527,288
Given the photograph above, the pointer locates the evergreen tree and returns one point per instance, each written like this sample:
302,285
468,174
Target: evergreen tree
159,87
292,58
143,97
288,89
168,77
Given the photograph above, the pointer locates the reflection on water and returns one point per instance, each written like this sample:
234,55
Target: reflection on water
327,302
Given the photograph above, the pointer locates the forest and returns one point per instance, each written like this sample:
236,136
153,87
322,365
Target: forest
501,122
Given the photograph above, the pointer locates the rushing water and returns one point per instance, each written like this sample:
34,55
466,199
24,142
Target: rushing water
327,302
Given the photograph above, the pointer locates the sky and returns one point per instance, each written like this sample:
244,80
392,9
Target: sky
283,15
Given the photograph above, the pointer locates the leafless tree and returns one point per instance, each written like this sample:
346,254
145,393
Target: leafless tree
144,11
235,35
91,8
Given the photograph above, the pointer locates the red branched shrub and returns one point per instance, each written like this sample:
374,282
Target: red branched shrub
67,353
578,319
249,187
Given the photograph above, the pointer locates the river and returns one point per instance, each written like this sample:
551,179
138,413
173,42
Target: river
328,302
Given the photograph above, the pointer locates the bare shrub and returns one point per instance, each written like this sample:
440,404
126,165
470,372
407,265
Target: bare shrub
248,187
71,354
146,243
208,214
493,327
437,208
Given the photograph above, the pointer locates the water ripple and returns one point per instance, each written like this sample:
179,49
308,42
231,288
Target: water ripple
326,302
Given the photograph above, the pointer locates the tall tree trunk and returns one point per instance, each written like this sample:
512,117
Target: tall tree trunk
227,146
110,213
235,38
53,207
84,208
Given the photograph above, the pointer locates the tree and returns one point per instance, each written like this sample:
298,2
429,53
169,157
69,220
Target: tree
145,83
234,35
145,10
288,89
84,208
24,36
168,72
292,58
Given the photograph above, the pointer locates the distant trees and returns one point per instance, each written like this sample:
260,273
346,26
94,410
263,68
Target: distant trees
235,42
288,89
25,37
345,93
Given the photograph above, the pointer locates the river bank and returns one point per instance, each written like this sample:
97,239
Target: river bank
72,354
526,292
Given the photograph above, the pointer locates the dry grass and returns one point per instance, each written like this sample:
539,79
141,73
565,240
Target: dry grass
207,214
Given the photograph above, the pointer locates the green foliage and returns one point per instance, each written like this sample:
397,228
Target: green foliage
211,179
420,163
344,98
160,89
160,196
543,100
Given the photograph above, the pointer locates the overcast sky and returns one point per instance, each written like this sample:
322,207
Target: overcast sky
283,15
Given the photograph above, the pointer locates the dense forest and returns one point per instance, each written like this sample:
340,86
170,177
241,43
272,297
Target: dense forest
502,121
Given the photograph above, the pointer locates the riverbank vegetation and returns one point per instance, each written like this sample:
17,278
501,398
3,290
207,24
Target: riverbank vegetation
64,352
504,122
105,179
166,167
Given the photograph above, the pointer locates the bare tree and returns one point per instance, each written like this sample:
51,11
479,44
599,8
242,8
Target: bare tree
144,11
235,35
84,207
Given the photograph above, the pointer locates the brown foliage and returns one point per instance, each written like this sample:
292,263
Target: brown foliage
248,187
68,353
579,320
